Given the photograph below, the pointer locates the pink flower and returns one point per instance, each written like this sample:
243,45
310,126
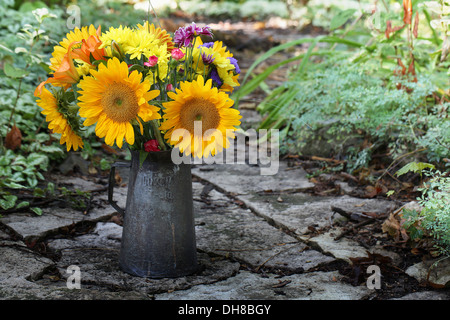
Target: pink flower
151,145
152,61
169,87
177,54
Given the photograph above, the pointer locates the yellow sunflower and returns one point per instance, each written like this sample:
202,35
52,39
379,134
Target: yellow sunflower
199,101
112,98
57,121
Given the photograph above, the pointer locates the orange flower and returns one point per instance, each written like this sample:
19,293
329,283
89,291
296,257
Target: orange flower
65,76
76,35
89,46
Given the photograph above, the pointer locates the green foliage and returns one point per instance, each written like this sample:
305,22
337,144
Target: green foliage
373,89
110,13
21,57
416,167
344,104
341,18
254,9
434,219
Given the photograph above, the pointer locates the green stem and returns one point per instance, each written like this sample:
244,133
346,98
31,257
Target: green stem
158,135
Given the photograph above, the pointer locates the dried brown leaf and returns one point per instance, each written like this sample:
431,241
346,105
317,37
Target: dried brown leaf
13,138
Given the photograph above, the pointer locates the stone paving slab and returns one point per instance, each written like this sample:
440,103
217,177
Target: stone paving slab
251,286
33,227
345,248
296,212
241,235
279,198
246,179
98,261
435,271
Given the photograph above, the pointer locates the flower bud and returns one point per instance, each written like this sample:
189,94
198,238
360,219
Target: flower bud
177,54
151,145
117,51
152,61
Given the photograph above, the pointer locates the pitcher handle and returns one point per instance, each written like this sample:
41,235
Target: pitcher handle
112,179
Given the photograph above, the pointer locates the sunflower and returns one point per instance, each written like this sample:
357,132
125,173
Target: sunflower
112,98
199,101
58,122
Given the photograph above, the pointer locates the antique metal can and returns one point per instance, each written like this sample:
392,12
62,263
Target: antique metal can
158,238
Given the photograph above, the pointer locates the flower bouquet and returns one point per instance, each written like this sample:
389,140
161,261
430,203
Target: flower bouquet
138,85
160,96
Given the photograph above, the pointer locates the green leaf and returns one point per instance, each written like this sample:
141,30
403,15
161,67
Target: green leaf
416,167
51,149
13,185
23,204
35,159
341,18
390,193
13,72
104,164
50,188
32,181
142,156
36,210
5,48
8,202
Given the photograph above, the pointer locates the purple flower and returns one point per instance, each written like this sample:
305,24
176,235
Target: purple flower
215,78
207,45
184,35
233,61
207,59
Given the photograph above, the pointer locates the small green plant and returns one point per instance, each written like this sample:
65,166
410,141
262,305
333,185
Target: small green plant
435,216
433,220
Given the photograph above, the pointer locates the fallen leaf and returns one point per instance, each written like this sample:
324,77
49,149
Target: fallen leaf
13,138
118,178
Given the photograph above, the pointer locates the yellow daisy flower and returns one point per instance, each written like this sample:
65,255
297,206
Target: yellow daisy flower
119,35
163,37
112,98
57,122
140,42
199,101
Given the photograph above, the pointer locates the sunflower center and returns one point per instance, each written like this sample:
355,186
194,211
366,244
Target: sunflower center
199,109
120,103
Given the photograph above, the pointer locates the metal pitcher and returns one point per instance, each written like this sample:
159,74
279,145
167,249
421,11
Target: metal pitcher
158,237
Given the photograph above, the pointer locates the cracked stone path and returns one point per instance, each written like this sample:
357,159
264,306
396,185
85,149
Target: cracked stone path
252,238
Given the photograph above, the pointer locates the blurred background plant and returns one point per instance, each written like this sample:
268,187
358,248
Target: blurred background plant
373,91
